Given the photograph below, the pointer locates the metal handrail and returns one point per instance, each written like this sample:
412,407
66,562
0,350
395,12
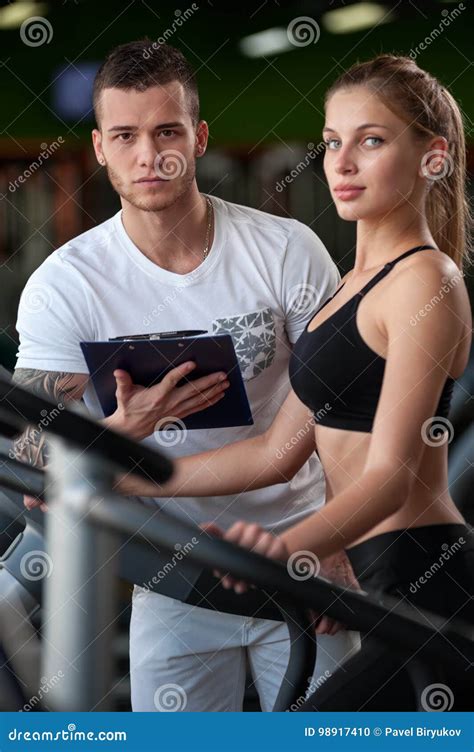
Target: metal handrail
83,497
20,408
388,619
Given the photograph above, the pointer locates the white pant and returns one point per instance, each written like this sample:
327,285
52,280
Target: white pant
188,658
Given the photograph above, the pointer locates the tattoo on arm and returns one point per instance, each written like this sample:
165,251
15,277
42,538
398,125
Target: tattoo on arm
61,387
56,385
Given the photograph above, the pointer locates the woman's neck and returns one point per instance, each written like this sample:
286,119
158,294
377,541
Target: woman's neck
383,239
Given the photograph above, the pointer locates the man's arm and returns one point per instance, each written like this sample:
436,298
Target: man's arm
31,446
138,408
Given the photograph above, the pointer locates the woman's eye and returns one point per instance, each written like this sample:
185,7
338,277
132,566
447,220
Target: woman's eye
332,143
374,139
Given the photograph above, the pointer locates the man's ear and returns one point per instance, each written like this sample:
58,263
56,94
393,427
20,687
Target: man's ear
202,136
97,143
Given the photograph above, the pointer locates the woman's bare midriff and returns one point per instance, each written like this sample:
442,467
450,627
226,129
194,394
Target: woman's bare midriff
343,455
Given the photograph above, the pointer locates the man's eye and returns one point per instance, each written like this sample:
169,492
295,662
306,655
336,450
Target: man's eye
124,137
167,133
332,143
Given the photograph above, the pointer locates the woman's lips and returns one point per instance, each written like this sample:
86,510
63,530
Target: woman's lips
348,193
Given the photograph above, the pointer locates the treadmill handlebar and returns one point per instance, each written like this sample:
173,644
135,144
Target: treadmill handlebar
385,618
20,408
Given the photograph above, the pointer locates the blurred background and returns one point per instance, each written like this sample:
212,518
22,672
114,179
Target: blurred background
262,69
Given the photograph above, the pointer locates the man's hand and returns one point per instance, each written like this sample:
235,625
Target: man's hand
336,568
139,408
31,502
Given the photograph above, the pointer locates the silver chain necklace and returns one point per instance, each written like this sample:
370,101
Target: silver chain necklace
209,225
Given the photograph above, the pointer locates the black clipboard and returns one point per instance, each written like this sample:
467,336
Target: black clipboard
147,361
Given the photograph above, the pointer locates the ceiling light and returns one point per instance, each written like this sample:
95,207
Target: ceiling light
268,42
355,17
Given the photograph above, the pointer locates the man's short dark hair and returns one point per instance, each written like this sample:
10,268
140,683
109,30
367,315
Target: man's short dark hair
141,64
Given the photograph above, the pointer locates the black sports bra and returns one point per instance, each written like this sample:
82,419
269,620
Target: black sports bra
337,375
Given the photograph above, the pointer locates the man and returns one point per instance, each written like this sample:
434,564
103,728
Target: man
176,259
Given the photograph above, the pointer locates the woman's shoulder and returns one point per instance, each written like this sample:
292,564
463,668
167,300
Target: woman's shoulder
427,300
429,275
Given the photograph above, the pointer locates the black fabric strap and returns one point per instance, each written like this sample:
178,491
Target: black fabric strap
383,272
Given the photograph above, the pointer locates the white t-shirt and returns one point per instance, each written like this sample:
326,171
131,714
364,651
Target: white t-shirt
262,280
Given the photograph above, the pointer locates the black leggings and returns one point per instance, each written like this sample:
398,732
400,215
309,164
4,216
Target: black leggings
431,567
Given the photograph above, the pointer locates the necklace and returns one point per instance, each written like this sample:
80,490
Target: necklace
208,230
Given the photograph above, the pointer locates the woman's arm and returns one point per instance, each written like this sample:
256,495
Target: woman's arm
419,359
272,457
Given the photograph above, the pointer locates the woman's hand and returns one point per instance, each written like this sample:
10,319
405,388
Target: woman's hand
257,539
252,536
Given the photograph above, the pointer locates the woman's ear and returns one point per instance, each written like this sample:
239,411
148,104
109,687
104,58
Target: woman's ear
436,161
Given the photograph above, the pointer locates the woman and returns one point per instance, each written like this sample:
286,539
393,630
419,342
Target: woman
375,365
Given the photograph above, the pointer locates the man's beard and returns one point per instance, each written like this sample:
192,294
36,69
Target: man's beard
163,199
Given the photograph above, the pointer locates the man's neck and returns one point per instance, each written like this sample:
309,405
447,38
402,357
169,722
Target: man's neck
173,238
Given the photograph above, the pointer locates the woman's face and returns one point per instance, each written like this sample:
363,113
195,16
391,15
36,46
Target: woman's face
372,159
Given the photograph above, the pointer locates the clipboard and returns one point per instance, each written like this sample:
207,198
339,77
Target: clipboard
147,361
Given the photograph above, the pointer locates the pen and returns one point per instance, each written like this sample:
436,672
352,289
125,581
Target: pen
160,335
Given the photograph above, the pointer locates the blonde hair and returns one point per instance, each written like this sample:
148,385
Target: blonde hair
430,110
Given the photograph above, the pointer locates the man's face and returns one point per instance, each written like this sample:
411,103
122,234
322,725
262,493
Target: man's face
149,144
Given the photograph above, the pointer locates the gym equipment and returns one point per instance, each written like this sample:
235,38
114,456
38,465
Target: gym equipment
81,545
